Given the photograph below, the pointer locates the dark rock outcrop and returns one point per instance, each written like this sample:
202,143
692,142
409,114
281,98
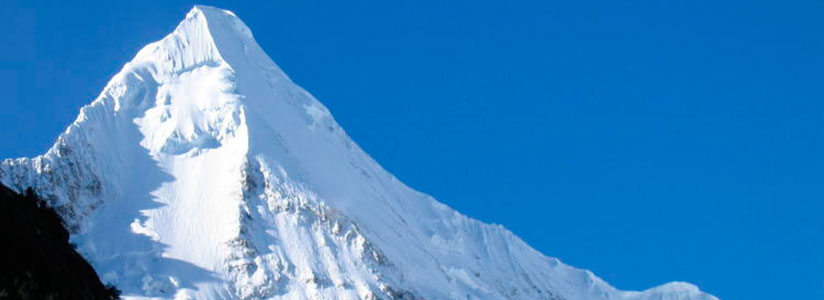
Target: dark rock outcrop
36,259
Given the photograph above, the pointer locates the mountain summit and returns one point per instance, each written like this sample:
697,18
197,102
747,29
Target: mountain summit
203,172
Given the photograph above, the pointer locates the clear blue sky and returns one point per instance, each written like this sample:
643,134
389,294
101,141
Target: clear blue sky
648,141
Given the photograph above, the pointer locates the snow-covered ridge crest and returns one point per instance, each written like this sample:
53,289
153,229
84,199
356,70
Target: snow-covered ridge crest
203,172
192,43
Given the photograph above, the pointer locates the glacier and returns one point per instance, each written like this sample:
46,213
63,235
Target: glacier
203,172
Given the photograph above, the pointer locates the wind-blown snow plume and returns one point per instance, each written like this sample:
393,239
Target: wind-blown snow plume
203,172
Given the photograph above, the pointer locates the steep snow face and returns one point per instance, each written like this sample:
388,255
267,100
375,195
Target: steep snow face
203,172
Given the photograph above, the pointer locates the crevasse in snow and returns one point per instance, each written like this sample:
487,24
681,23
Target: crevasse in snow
203,172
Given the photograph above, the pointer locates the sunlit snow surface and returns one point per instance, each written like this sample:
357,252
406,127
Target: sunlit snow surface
203,172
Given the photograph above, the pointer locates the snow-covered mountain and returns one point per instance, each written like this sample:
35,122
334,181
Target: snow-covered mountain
203,172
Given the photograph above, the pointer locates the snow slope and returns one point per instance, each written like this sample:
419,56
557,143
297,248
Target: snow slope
203,172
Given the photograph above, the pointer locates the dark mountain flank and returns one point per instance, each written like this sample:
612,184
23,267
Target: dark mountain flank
36,259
